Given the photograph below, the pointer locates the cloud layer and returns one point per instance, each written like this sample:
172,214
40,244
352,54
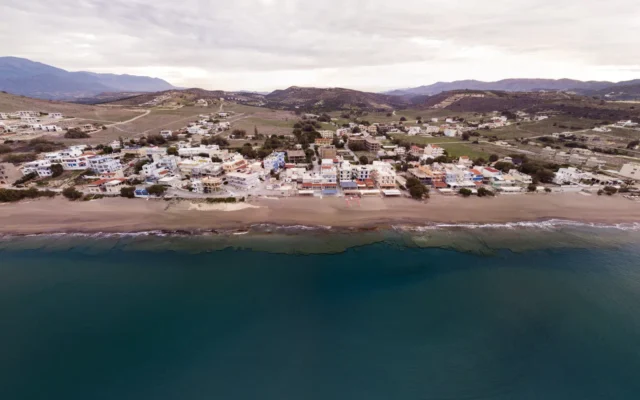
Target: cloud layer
370,45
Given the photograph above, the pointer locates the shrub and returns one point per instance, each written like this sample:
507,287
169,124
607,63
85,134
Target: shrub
493,158
610,190
11,195
532,188
172,151
547,190
26,178
156,190
222,200
71,193
56,170
465,192
4,149
19,158
482,192
75,133
128,192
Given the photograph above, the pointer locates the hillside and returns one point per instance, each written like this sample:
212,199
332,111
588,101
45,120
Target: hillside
618,92
332,99
34,79
510,85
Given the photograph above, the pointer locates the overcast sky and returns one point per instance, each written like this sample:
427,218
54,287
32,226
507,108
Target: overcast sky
361,44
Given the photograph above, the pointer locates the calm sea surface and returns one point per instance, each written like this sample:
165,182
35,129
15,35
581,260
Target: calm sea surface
97,319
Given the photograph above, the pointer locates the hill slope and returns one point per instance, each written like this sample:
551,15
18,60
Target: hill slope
332,99
34,79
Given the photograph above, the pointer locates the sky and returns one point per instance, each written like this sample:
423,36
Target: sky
371,45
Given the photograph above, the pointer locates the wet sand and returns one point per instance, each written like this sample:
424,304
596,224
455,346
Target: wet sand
126,215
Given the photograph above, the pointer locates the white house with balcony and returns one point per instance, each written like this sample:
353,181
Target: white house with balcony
104,164
243,180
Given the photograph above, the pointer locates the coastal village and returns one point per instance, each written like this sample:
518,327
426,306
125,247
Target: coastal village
321,157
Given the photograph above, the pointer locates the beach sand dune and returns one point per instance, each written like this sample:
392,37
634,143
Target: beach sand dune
124,215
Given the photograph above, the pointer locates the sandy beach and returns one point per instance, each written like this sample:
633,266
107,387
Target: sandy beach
125,215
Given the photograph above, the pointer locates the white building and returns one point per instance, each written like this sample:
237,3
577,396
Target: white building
414,130
328,171
521,178
346,173
211,150
242,180
433,151
362,172
450,132
166,134
104,164
274,161
40,167
326,134
55,115
569,175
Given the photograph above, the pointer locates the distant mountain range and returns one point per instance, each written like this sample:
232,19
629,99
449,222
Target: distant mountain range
34,79
516,85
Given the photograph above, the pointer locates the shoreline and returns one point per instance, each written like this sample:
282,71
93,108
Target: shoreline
125,216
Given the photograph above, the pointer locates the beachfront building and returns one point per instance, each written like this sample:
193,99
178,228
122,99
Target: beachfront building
108,187
568,176
207,185
243,180
328,171
520,178
346,173
384,178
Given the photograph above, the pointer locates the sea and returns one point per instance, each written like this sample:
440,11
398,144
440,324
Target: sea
546,310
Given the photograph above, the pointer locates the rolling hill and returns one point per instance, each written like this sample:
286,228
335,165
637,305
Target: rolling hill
28,78
329,99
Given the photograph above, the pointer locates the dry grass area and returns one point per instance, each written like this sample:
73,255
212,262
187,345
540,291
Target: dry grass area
105,114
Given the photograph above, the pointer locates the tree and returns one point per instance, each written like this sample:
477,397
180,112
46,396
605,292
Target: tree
544,175
363,160
466,136
26,178
156,190
239,133
71,193
216,159
356,129
172,151
128,192
480,161
482,192
633,144
138,167
493,158
610,190
255,131
503,166
465,192
547,190
107,150
56,170
76,133
532,188
417,189
403,119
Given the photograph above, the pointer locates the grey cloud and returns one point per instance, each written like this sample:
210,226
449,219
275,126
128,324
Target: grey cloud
279,35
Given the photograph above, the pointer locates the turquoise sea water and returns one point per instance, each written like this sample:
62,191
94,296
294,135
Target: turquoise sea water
161,318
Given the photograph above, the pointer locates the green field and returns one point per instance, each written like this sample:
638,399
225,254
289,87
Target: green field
460,149
421,140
